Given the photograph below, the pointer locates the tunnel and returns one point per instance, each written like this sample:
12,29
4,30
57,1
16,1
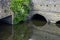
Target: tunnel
38,20
58,22
6,20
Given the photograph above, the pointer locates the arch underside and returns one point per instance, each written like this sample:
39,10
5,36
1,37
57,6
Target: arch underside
38,17
58,22
43,17
7,20
38,20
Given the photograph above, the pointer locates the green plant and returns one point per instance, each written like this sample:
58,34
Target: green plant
20,8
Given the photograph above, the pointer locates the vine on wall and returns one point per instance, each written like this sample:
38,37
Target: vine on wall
21,9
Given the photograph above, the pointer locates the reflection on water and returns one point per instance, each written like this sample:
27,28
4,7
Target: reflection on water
21,31
38,22
5,31
26,31
58,25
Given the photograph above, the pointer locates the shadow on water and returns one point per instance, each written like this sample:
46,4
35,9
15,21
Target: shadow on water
20,31
38,20
5,30
58,25
25,31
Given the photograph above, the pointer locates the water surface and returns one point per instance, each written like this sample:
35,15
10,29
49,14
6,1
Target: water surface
33,30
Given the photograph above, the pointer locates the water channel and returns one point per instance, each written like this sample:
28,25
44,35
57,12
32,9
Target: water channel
36,29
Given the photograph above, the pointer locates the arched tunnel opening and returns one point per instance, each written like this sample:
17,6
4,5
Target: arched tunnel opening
58,24
6,20
38,20
2,21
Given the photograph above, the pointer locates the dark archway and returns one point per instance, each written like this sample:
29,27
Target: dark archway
38,20
58,22
6,20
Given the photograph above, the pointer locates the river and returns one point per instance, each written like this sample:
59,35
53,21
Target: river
33,30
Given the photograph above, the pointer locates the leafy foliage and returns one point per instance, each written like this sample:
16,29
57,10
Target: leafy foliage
20,8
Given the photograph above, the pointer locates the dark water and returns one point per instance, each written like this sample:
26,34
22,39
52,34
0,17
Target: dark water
34,30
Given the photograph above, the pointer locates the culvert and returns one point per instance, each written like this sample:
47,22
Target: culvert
58,24
6,20
2,21
38,20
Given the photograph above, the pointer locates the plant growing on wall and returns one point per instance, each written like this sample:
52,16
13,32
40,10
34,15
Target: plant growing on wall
20,8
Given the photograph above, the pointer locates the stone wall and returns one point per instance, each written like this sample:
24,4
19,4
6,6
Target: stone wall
5,11
50,9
